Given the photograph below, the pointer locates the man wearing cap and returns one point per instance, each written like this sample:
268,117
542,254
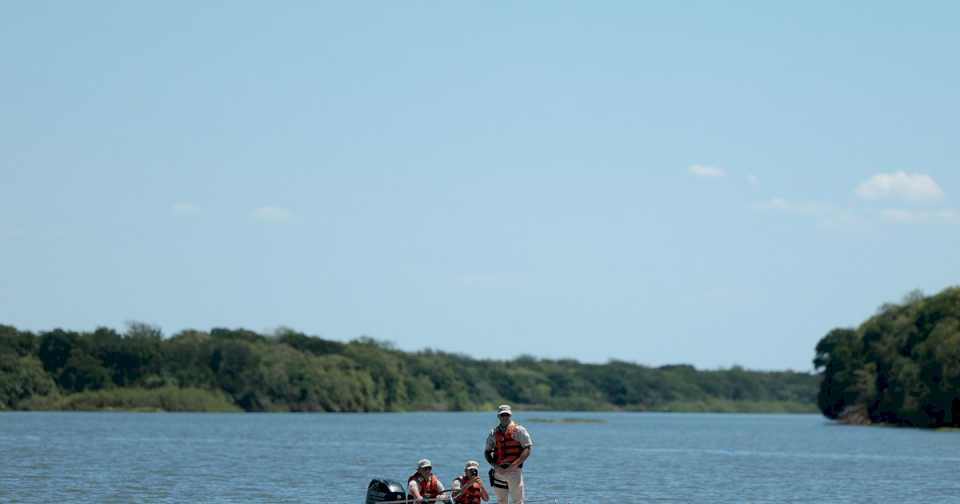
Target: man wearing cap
423,484
468,488
508,445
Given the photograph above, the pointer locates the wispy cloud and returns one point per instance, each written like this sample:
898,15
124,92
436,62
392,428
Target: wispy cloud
753,180
485,280
903,216
911,187
845,218
899,215
826,215
706,171
184,209
271,214
908,187
794,207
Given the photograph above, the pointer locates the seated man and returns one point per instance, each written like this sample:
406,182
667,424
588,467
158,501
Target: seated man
423,485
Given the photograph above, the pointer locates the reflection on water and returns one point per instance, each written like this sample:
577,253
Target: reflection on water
328,458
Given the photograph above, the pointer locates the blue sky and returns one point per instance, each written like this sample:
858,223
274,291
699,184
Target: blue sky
683,183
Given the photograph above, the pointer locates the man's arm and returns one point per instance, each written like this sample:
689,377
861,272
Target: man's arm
526,442
523,456
483,490
488,449
414,490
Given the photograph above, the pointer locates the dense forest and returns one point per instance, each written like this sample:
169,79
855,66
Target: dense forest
901,366
237,369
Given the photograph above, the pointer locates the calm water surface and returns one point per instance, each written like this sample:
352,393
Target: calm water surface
329,458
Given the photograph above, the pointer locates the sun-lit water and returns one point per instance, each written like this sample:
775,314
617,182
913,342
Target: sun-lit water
329,458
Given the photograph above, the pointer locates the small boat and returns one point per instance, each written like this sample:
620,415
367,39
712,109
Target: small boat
385,491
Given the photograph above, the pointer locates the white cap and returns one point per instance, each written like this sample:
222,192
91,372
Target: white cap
504,409
472,464
424,463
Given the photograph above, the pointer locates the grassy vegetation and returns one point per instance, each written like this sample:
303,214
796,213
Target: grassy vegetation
136,399
728,406
566,420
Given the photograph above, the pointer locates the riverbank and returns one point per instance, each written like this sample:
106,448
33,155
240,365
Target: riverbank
172,399
169,399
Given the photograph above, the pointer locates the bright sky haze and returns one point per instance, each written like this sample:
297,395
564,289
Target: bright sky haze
658,183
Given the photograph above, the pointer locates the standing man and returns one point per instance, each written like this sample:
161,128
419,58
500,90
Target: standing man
508,445
423,484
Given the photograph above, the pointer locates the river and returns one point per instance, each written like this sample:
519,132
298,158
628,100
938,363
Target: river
329,458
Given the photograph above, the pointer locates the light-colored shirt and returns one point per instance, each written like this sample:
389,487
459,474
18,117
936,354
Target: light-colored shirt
416,486
521,435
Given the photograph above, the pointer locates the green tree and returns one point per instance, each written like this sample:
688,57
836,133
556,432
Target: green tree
901,366
21,343
22,378
83,372
235,363
54,349
837,357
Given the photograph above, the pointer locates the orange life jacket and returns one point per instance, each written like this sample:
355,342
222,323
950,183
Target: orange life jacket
469,492
507,448
428,489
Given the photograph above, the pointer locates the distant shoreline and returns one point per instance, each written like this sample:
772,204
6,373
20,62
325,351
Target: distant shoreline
237,369
171,400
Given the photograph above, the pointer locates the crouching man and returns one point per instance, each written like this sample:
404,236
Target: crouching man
468,488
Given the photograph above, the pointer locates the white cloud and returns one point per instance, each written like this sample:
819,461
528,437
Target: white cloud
825,215
775,204
271,214
912,187
795,207
481,280
845,218
706,171
753,180
948,215
183,209
902,216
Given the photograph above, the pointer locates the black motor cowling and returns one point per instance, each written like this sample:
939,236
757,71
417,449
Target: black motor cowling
384,490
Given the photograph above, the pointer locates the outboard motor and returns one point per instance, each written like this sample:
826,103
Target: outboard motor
384,490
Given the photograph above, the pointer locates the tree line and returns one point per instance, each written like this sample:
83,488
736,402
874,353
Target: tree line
238,369
900,367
